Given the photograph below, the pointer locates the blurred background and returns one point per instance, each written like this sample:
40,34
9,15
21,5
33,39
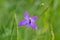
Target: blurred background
48,22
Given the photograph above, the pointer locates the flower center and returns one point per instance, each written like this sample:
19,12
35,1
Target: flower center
29,21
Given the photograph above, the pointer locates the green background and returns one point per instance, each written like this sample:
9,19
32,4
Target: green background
48,22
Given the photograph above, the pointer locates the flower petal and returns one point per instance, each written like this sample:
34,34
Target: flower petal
27,25
33,19
33,26
22,23
26,16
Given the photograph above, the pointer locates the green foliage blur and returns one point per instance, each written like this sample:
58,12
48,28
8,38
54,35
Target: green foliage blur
48,22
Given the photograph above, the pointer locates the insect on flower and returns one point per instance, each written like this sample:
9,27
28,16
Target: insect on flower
28,22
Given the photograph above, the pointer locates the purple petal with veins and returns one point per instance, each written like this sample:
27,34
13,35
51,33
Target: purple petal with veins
27,25
33,26
22,23
26,16
33,19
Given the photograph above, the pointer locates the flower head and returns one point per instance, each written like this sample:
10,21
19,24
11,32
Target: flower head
28,22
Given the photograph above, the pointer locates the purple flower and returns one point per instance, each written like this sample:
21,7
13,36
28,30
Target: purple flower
28,22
